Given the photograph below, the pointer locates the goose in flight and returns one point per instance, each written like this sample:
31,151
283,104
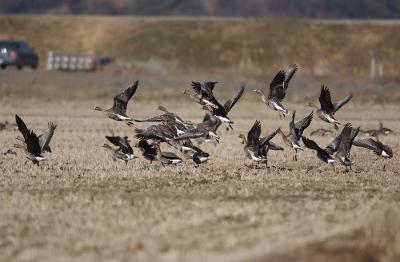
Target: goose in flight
342,144
32,147
256,148
376,146
201,130
212,105
124,150
118,111
165,118
295,133
322,154
202,93
277,90
328,109
160,132
252,146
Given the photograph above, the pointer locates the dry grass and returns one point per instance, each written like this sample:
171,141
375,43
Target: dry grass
83,206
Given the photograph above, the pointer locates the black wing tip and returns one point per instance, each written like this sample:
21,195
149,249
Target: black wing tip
324,87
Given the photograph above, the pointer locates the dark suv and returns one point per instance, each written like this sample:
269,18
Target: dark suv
17,53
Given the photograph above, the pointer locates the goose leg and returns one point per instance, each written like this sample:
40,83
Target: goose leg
335,126
334,167
126,162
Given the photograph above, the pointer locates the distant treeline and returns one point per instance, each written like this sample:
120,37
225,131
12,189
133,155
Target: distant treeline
260,8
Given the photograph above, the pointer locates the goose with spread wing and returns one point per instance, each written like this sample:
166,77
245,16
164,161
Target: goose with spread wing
342,144
202,93
219,111
118,111
296,131
124,150
265,143
328,109
277,90
322,154
32,147
376,146
252,148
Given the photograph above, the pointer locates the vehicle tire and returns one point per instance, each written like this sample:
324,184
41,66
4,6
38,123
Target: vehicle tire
19,67
34,67
3,66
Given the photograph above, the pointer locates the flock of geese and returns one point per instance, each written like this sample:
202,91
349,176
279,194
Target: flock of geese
181,135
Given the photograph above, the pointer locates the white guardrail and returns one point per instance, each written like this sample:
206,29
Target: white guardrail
68,61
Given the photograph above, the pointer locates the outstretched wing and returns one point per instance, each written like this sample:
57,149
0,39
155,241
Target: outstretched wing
310,143
342,102
45,138
325,100
121,100
32,144
288,75
121,142
267,138
280,83
367,143
301,125
254,134
231,102
276,90
205,89
345,141
22,127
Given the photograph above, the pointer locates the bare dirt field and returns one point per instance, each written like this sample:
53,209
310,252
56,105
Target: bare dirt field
82,206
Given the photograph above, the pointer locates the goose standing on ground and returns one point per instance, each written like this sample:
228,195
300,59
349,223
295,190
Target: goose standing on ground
33,150
277,90
328,109
322,132
124,150
377,132
166,158
296,131
376,146
322,154
118,111
342,144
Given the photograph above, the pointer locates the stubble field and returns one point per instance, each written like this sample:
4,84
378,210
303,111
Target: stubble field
82,205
